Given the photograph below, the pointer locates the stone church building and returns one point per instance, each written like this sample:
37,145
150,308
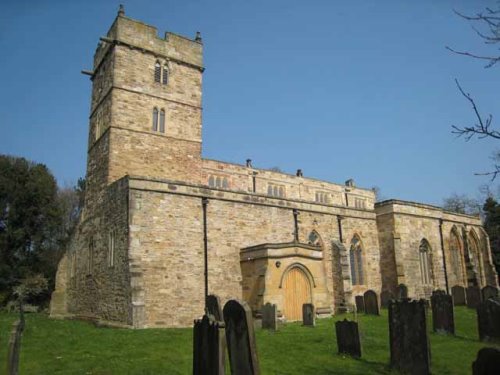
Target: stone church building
153,203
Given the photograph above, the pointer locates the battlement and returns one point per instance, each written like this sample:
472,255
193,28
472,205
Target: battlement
139,35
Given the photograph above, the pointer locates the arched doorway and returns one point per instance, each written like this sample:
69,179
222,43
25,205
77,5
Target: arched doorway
297,291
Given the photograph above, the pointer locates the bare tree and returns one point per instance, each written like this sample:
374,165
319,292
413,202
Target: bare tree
486,24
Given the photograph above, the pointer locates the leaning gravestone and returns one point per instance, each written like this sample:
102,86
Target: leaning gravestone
240,338
385,297
214,307
208,347
371,303
489,291
348,338
410,349
270,316
360,304
402,291
473,295
458,294
488,319
487,362
308,315
14,350
442,312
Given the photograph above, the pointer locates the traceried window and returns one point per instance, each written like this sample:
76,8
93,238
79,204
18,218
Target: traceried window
425,262
111,248
157,72
356,260
276,191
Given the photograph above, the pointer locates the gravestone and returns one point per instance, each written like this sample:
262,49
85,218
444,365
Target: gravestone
360,304
488,319
308,315
240,338
208,347
473,295
14,350
458,294
410,349
214,307
402,291
489,291
442,312
348,338
385,297
270,317
487,362
371,303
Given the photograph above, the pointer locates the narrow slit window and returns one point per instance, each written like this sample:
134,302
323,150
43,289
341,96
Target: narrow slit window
157,72
111,249
162,121
155,119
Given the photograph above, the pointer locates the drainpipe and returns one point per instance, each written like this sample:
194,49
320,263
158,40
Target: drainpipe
339,223
444,255
296,224
204,203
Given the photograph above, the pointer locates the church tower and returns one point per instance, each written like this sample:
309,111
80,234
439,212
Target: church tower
145,116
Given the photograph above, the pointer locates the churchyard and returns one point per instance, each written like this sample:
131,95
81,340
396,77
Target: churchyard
76,347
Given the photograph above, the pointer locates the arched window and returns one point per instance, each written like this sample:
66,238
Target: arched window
275,191
218,182
225,183
455,255
269,190
281,192
155,119
162,121
165,75
158,72
356,260
425,262
211,181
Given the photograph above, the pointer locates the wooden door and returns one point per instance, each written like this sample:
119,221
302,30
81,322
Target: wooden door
297,290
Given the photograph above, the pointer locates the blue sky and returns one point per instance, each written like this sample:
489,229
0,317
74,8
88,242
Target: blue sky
340,89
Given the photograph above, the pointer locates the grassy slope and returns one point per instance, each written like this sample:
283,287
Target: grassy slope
73,347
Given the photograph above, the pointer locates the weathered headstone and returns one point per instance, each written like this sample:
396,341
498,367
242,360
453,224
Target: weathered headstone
487,362
458,294
208,347
489,291
442,312
214,307
308,315
473,295
410,349
371,303
385,297
240,338
14,350
488,319
348,338
402,291
360,304
270,317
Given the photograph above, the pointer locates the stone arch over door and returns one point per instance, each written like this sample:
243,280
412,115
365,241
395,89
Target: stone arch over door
297,284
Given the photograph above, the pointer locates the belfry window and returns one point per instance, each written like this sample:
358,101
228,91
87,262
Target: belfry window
165,75
275,191
425,263
157,72
355,257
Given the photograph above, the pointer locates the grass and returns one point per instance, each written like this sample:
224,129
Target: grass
75,347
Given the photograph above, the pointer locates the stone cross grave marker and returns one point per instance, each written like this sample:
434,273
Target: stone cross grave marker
348,338
270,317
308,315
442,312
488,319
240,337
371,303
385,297
410,349
402,291
489,291
473,295
458,294
209,345
360,304
486,362
214,307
